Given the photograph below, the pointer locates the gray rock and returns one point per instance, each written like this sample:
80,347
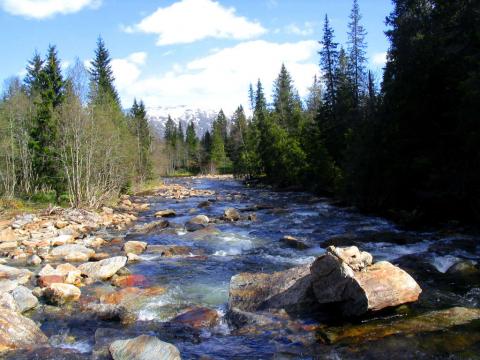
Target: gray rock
21,276
7,285
143,348
68,249
197,223
104,269
24,298
8,302
231,214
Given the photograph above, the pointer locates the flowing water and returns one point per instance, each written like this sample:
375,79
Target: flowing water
253,246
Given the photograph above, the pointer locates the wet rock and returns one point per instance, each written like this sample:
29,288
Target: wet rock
429,322
170,250
198,318
17,332
71,251
165,213
143,348
59,294
289,289
129,280
252,217
134,247
34,260
344,276
131,258
151,227
197,223
295,243
203,233
204,204
24,298
463,268
21,276
231,214
109,312
104,269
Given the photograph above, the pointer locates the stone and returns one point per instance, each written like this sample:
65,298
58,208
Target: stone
440,320
8,245
170,250
69,249
7,235
131,257
231,214
34,260
294,243
62,240
8,302
129,280
197,318
59,294
21,276
143,347
134,247
17,332
7,285
24,298
344,276
204,204
464,267
77,256
46,270
151,227
103,269
47,280
60,224
165,213
289,289
197,223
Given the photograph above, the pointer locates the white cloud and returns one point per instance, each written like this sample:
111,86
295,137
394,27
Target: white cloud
379,59
187,21
128,70
42,9
306,30
221,79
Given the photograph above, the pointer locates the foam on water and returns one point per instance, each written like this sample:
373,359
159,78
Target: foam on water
389,251
442,263
80,346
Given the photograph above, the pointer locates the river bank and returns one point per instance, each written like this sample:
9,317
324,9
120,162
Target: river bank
172,283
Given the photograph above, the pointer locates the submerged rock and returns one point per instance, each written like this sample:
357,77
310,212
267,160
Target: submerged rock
289,289
200,317
463,268
17,332
103,269
143,348
346,276
429,322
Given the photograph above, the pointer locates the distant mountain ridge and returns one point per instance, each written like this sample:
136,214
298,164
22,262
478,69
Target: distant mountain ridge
201,118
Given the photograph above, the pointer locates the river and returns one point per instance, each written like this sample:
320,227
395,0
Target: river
253,246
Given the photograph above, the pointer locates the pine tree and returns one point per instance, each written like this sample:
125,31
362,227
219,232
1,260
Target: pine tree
101,76
218,156
328,64
286,101
357,53
144,140
251,97
222,125
314,99
192,146
170,132
32,79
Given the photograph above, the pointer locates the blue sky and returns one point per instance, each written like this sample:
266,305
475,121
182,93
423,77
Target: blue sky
199,53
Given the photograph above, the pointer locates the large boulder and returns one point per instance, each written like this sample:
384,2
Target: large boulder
24,298
104,269
347,276
290,289
143,348
197,223
17,332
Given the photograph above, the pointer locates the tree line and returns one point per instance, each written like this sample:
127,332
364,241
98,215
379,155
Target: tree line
410,147
67,134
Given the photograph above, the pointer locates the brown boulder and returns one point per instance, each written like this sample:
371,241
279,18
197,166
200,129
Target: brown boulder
165,213
198,318
134,247
61,293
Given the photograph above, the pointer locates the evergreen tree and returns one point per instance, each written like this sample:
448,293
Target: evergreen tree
192,146
170,132
144,140
32,79
222,124
238,134
286,101
357,53
328,64
218,156
251,97
314,99
101,76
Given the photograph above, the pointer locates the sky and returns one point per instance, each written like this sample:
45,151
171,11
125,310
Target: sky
198,53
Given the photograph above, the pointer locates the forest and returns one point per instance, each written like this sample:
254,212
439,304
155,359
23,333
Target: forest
407,145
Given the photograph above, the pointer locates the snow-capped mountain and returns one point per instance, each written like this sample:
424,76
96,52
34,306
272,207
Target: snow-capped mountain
201,118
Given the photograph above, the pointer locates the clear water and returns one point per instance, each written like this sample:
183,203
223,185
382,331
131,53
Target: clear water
247,246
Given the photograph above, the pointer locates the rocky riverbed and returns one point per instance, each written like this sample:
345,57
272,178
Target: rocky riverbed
205,268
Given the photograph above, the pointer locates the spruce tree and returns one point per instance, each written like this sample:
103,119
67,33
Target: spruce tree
170,132
101,76
357,53
144,140
328,64
314,99
192,145
285,100
32,79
